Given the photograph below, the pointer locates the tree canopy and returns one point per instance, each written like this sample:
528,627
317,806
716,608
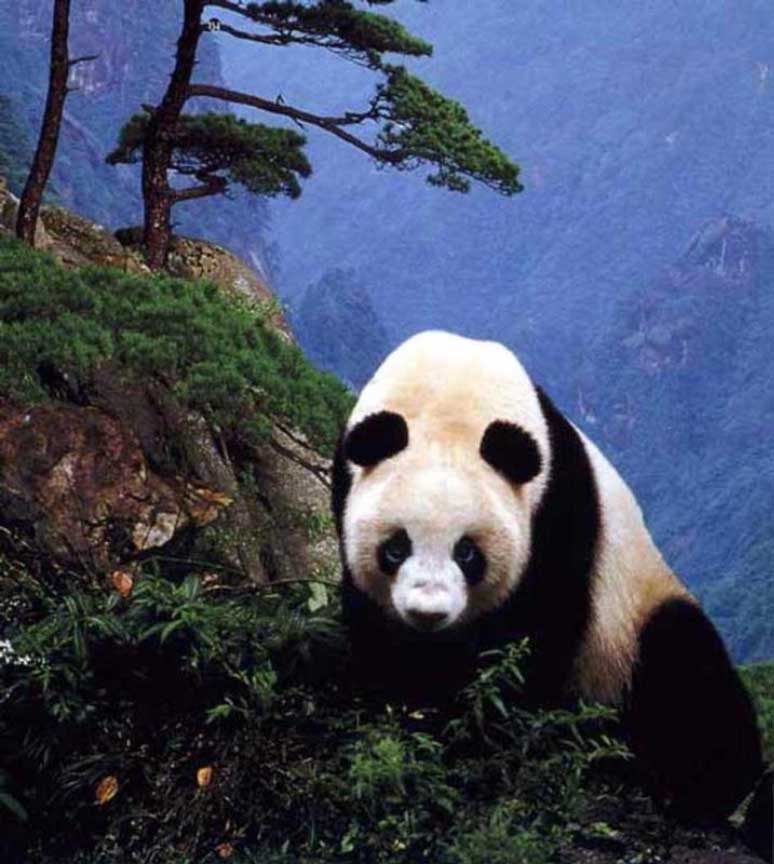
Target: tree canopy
405,124
219,149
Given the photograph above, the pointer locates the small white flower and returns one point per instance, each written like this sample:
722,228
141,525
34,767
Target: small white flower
9,656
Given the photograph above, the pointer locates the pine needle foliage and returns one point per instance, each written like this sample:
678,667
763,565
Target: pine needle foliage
222,149
216,353
420,125
338,26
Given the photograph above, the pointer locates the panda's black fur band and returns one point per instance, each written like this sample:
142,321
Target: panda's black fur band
511,450
375,438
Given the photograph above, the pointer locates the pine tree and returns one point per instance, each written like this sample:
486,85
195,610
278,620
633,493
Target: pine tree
43,160
406,124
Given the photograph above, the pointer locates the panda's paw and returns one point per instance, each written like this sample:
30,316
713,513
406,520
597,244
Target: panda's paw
758,827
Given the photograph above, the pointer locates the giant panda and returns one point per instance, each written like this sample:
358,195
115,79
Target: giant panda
471,512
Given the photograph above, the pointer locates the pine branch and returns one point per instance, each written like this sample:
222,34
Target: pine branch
252,37
359,36
212,186
329,124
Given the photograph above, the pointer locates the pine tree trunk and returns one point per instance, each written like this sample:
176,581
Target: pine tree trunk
158,195
29,207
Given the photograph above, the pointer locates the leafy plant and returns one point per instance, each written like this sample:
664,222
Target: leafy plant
759,680
183,715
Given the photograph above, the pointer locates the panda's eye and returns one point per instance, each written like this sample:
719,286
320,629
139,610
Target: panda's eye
470,559
394,551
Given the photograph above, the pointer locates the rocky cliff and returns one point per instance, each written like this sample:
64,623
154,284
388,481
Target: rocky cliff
105,465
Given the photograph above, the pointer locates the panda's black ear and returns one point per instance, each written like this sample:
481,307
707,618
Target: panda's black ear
511,450
375,438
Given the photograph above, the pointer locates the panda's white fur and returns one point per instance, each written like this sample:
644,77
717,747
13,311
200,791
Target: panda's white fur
449,389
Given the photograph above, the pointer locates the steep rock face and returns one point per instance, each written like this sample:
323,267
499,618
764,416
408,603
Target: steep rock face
118,469
336,322
679,394
77,480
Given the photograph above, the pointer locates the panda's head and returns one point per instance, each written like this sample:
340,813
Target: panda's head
437,532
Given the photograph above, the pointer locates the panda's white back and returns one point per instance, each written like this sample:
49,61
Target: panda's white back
630,580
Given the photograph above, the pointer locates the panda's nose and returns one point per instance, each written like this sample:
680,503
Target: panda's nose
426,620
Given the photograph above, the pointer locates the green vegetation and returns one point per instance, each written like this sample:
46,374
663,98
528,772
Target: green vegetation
216,353
759,680
162,724
220,149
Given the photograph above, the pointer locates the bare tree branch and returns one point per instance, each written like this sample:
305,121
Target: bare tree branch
329,124
85,59
252,37
211,186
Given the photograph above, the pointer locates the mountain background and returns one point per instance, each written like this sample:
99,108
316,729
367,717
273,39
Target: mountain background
634,276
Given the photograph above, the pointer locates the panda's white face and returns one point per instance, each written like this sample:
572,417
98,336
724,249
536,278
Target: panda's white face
435,546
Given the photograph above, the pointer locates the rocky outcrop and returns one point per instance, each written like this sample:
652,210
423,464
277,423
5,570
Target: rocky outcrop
78,481
190,258
76,242
123,469
114,467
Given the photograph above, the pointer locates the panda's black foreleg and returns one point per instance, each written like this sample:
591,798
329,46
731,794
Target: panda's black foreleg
758,828
689,717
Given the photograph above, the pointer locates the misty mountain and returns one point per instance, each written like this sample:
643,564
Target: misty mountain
632,276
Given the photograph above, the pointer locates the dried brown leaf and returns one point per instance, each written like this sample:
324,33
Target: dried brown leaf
106,790
204,776
123,582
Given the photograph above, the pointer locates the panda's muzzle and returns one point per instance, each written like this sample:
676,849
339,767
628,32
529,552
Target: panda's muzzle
426,620
428,602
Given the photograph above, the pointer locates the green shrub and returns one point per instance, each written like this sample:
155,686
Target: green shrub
217,352
759,679
180,675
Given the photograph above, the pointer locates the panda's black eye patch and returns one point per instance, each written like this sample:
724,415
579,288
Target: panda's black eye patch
393,552
511,450
375,438
470,559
